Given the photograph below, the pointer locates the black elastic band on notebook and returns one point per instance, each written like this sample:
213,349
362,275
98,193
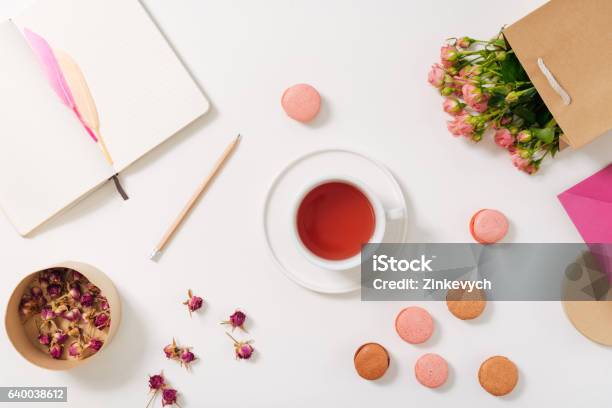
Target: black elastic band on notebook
120,189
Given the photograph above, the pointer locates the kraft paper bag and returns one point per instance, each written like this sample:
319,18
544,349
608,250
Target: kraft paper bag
573,40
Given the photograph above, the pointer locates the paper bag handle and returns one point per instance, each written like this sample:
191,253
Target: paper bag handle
554,84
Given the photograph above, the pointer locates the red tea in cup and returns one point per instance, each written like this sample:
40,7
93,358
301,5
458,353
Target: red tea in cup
334,219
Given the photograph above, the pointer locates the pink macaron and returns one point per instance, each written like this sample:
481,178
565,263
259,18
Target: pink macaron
301,102
431,370
488,226
414,325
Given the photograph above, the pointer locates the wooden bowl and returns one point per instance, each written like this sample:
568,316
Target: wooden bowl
26,343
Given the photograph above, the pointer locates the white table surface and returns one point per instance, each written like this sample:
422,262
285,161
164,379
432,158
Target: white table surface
369,60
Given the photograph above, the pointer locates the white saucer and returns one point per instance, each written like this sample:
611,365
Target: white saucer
278,210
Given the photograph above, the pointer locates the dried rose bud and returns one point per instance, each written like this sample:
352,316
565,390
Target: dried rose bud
102,321
36,292
171,350
54,290
193,302
54,277
55,351
169,396
59,336
78,277
28,305
237,319
242,349
95,344
103,303
75,349
156,381
75,293
187,357
73,315
74,332
92,288
87,299
44,339
47,314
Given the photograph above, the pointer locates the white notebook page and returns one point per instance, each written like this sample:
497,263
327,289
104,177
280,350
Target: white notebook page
143,93
47,160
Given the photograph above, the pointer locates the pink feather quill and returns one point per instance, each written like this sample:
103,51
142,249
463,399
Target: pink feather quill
52,69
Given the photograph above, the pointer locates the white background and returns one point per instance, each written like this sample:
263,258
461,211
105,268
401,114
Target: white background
369,60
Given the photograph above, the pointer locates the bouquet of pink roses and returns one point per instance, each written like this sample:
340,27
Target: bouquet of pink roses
485,87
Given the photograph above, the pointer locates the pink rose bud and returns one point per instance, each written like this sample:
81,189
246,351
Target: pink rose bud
73,315
92,288
54,277
452,106
524,136
169,396
474,97
36,292
28,305
95,344
156,382
75,293
54,290
74,331
520,162
87,299
78,277
44,339
75,349
461,125
237,319
171,350
193,302
464,42
47,314
436,76
187,356
55,351
102,321
448,55
244,351
503,138
103,303
59,336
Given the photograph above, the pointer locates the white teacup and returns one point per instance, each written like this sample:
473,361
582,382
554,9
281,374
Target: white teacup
380,221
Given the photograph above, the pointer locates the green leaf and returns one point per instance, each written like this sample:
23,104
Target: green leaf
512,70
525,113
496,100
546,135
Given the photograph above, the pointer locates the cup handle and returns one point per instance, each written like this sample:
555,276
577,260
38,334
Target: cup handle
394,213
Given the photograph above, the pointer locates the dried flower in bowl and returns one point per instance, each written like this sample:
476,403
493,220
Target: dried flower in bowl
56,351
71,316
242,349
237,319
193,302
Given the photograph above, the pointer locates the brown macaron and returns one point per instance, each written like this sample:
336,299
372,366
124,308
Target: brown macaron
498,375
371,361
465,304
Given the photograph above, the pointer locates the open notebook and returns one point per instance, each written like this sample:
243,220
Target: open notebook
87,87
